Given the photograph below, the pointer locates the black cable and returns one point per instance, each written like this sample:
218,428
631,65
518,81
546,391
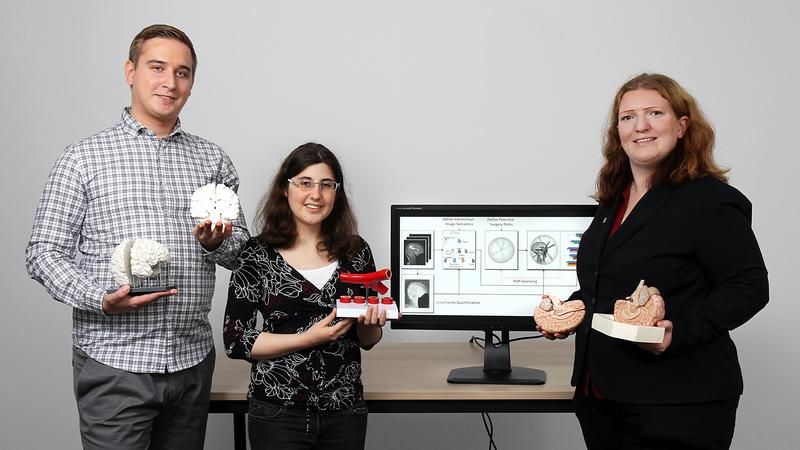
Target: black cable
477,341
537,336
489,429
496,340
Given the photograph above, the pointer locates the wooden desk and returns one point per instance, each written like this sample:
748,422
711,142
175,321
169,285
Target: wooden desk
412,377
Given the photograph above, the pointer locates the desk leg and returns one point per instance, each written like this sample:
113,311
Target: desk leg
239,432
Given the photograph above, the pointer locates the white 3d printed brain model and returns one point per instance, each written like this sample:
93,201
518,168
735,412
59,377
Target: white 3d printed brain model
137,258
501,250
215,202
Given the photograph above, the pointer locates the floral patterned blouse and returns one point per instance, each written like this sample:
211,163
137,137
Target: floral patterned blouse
322,378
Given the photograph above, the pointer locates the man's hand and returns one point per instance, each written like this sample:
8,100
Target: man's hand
211,236
658,349
120,302
323,332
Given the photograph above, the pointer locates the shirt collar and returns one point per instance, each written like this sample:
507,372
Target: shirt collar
133,125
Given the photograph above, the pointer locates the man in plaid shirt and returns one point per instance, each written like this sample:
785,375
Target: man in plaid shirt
142,364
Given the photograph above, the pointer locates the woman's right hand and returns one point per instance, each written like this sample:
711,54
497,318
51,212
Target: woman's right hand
323,332
552,336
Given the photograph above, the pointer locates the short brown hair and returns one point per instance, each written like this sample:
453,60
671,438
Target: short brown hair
276,222
160,31
691,158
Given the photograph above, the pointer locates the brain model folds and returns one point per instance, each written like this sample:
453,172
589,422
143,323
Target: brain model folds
215,202
555,316
137,258
645,307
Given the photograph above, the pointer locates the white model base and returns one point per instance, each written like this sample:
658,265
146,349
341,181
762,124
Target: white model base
606,324
355,310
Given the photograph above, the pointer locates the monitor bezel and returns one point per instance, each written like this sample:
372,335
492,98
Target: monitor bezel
449,322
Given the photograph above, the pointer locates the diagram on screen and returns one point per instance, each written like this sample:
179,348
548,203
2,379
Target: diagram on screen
543,250
486,265
459,249
501,250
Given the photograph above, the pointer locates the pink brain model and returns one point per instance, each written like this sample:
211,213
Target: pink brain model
645,307
555,316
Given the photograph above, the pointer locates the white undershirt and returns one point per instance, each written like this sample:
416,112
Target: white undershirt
318,277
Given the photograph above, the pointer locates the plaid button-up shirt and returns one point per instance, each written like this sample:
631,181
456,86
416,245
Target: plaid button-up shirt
126,183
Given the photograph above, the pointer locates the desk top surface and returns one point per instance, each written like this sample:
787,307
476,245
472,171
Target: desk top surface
418,371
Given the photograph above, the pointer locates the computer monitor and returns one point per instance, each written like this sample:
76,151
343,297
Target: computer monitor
483,267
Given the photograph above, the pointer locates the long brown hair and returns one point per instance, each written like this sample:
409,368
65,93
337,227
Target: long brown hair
690,159
276,222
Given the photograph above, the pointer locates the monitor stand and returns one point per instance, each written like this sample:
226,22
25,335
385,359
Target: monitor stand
496,367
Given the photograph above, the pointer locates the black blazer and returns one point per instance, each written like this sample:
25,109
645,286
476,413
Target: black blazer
695,244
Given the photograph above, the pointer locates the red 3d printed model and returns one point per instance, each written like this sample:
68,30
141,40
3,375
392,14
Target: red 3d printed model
369,280
348,306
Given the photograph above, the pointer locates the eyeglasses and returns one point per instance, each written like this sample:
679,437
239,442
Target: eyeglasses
307,184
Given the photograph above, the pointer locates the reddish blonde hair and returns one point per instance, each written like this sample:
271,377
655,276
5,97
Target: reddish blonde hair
691,159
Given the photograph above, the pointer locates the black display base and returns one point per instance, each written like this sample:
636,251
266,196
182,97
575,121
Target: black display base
145,290
476,375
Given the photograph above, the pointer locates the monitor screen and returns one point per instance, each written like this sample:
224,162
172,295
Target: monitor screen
482,267
470,267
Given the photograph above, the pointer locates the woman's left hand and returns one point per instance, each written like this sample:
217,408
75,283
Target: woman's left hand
658,349
371,318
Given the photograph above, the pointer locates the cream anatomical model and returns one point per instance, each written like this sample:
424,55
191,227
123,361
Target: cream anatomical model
142,264
645,307
556,316
215,202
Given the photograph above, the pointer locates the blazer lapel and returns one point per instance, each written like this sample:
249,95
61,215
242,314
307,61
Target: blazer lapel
644,211
608,213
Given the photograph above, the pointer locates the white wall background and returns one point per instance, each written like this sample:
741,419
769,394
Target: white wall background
449,101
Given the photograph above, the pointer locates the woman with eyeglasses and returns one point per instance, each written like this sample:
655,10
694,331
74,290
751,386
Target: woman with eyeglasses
667,216
305,383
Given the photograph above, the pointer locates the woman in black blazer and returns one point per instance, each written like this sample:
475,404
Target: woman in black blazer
666,216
